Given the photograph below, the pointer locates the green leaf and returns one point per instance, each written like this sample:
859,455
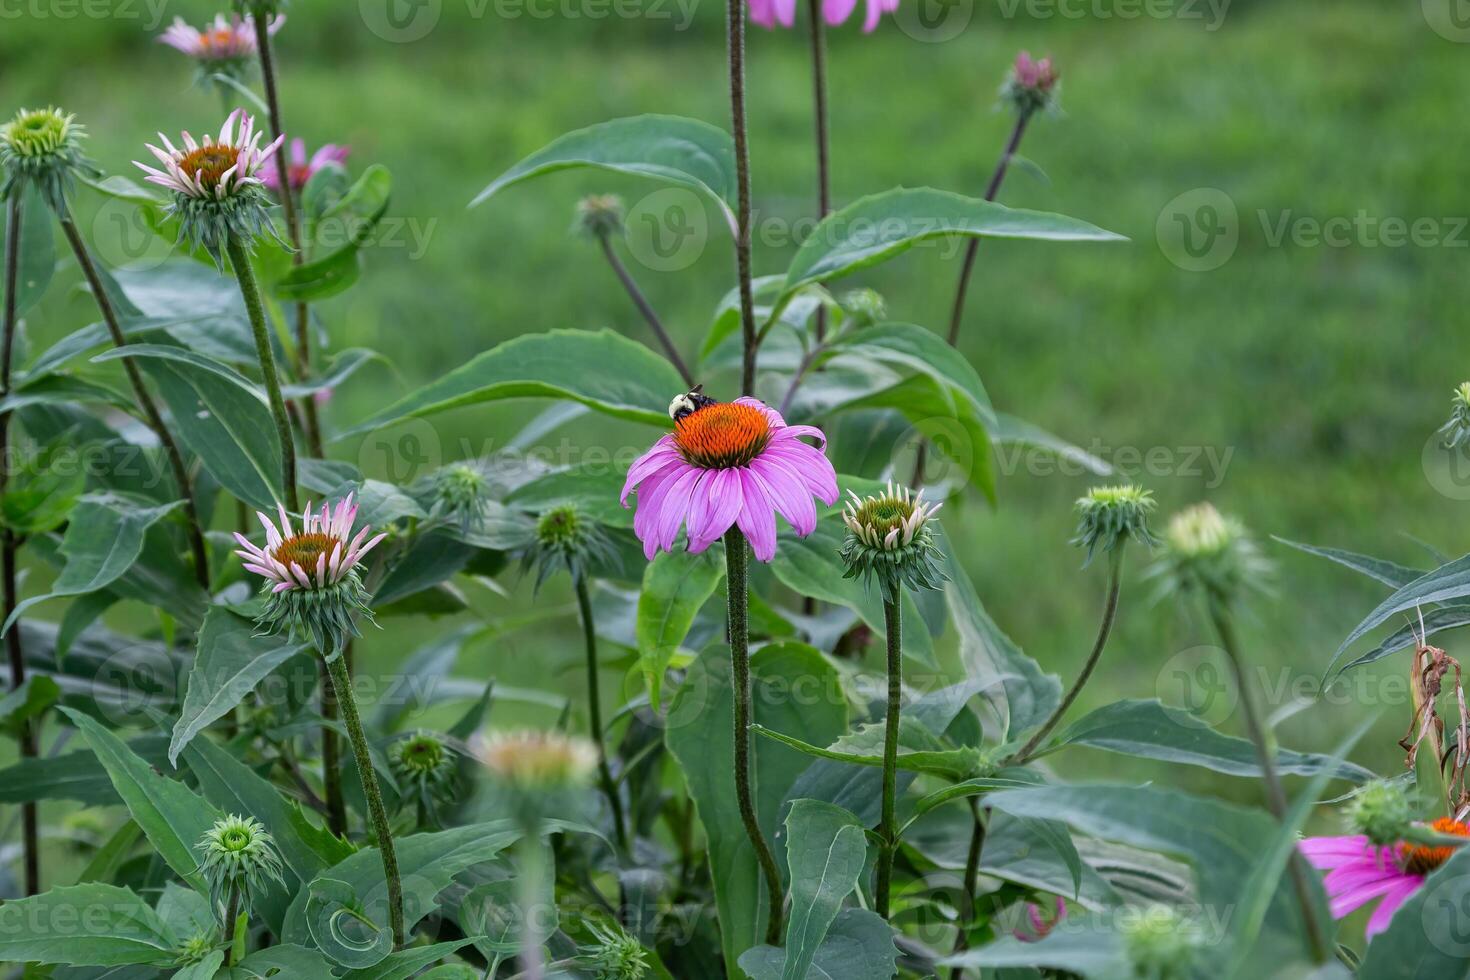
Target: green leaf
282,962
343,365
173,816
77,776
676,585
1089,947
1448,581
919,750
320,279
1151,730
670,149
593,489
1382,570
1010,431
337,237
859,946
103,539
230,659
1447,617
602,370
37,259
205,969
19,705
406,963
826,849
699,734
1027,696
339,923
83,925
913,348
880,226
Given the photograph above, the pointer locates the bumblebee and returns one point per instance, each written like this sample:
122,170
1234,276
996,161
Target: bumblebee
689,403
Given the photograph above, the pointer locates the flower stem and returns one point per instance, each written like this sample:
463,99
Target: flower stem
250,290
1110,613
1275,796
736,564
594,703
311,423
145,400
232,912
887,825
531,900
332,749
819,105
9,544
646,308
969,883
735,10
377,815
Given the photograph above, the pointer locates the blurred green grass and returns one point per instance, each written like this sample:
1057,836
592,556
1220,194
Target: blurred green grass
1322,370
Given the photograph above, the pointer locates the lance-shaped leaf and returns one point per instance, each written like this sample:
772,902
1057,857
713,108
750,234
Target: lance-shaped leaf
1390,573
1448,581
90,924
37,259
919,750
859,946
602,370
671,149
880,226
676,585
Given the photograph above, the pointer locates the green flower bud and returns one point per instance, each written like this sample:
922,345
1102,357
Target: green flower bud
864,307
194,950
615,955
600,215
459,492
566,539
890,537
1161,944
1382,811
1457,429
42,148
425,767
1108,517
237,853
1209,554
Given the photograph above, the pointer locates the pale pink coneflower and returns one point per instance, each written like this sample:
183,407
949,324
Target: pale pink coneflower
769,13
300,169
225,40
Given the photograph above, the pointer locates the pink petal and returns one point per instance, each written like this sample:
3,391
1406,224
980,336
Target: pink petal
788,493
772,416
676,507
662,454
713,508
763,12
757,517
1350,901
1330,852
835,12
1381,916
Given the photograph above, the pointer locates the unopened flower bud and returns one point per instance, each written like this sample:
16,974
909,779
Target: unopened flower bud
1381,811
236,853
890,538
424,766
566,539
1208,553
1031,85
1109,517
1161,944
864,307
1457,429
459,492
42,148
600,215
615,955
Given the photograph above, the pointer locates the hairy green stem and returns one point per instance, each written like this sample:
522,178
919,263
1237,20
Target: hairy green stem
1275,796
231,930
10,544
150,411
594,707
532,900
377,814
969,884
735,10
250,290
1110,613
887,824
646,308
736,584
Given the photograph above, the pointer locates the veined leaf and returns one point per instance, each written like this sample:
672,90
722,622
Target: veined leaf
84,925
676,585
859,946
671,149
1447,617
1390,573
826,849
602,370
37,260
919,750
880,226
1448,581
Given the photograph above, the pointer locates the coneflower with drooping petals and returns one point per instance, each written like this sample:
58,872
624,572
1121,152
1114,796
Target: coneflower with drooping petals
312,578
890,538
300,169
728,463
219,195
769,13
227,45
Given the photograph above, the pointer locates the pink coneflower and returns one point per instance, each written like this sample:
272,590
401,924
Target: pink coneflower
728,463
1031,85
1041,926
300,169
1034,74
312,580
769,13
214,169
229,40
1359,872
316,558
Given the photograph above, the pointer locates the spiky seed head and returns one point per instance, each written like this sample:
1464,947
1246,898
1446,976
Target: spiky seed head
195,949
459,492
424,763
566,539
1160,942
236,852
1109,517
890,538
1382,811
600,215
42,148
1210,554
614,955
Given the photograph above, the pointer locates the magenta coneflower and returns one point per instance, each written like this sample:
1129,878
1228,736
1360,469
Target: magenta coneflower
216,169
768,13
728,463
300,169
312,576
1359,871
231,40
1041,925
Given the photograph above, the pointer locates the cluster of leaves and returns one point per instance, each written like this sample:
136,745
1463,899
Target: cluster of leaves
179,725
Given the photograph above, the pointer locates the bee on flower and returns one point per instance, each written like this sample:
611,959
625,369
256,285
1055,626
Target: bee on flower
313,582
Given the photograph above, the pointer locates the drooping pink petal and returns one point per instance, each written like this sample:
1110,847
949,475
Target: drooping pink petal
788,494
1352,899
723,499
836,12
676,508
661,455
1330,852
763,12
757,518
1392,900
